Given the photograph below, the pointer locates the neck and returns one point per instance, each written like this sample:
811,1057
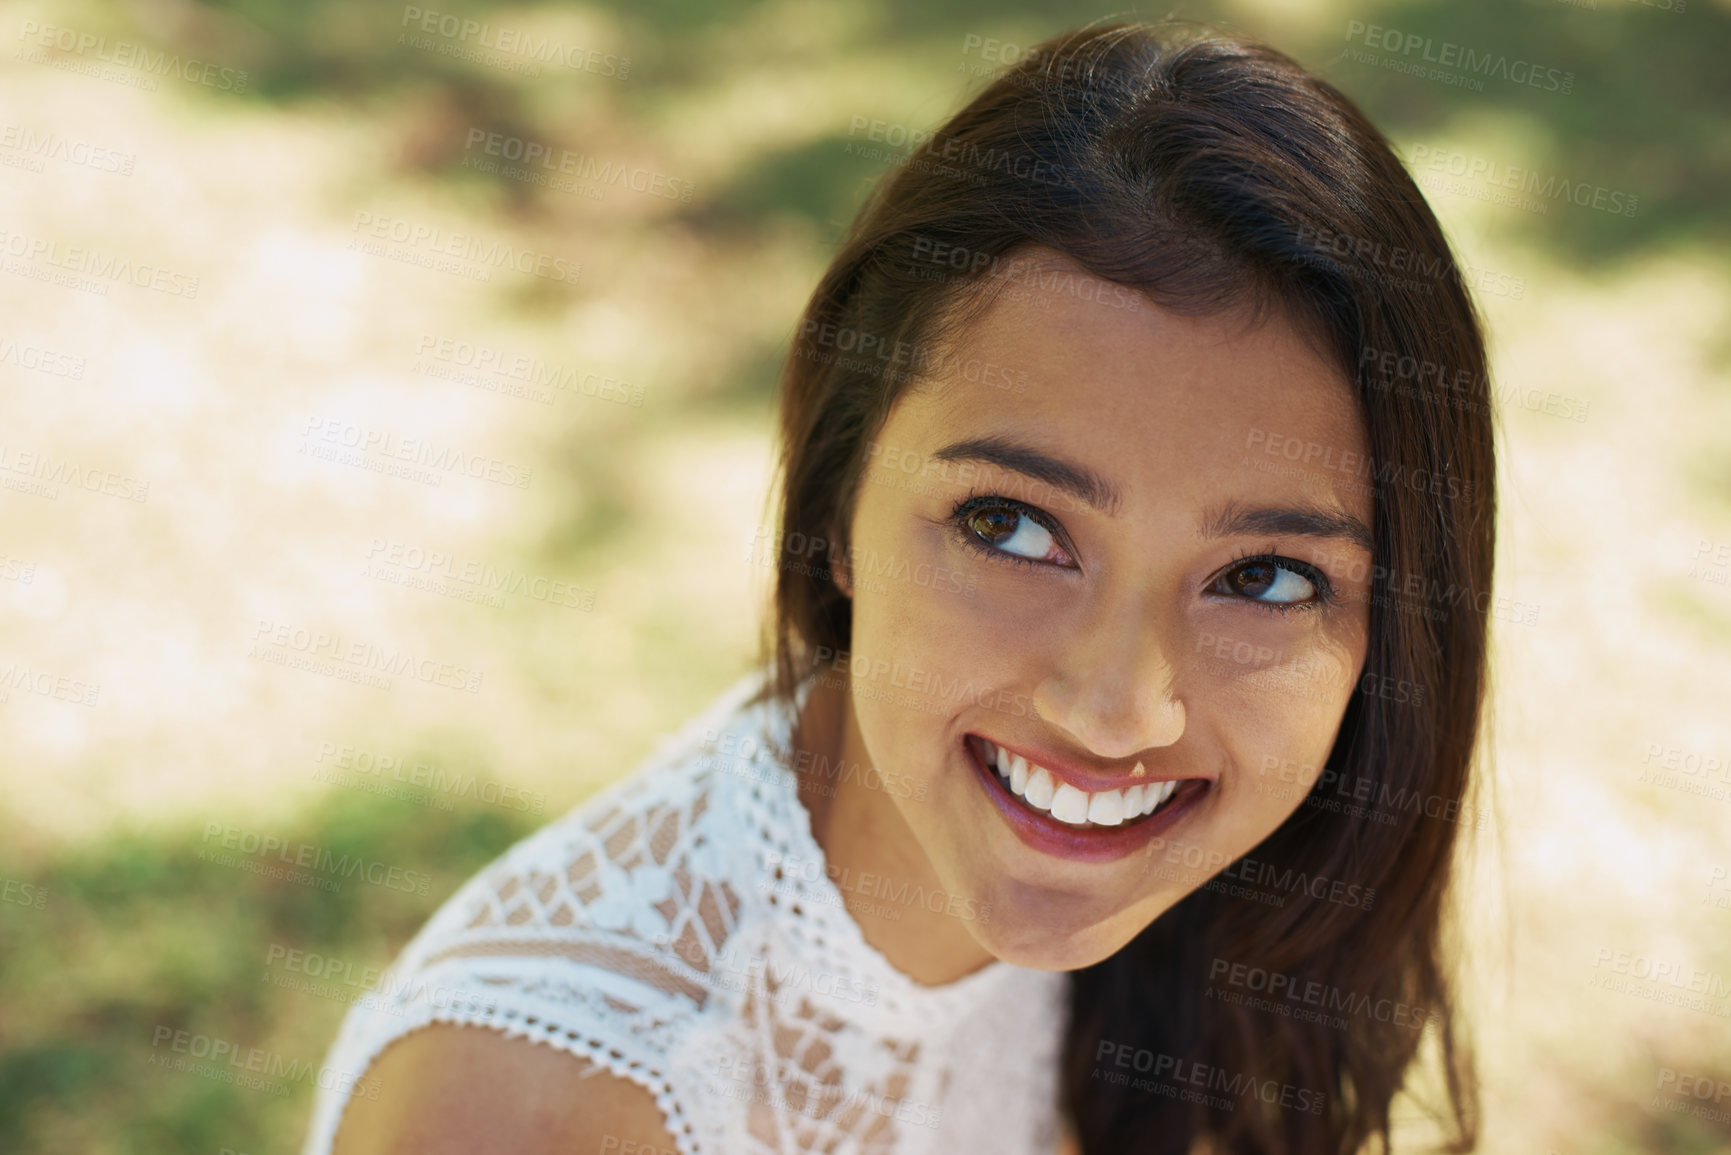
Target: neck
865,840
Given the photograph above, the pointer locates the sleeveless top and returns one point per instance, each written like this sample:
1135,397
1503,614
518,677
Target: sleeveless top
680,929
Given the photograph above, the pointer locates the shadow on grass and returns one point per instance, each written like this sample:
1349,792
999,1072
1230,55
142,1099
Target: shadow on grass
143,936
1645,114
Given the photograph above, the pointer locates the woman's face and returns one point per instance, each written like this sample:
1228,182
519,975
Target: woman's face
1075,547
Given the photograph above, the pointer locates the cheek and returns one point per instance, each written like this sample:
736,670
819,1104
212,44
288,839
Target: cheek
1277,721
1271,674
921,614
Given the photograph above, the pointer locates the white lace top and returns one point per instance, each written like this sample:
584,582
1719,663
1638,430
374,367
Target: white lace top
679,929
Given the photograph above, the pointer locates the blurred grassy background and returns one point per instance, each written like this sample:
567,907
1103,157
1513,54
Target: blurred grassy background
117,924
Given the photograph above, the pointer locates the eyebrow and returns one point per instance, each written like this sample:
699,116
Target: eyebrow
1234,519
1079,482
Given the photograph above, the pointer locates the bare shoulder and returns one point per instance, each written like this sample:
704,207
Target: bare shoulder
446,1089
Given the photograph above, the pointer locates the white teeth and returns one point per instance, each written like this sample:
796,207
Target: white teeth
1036,786
1070,805
1166,789
1039,791
1106,809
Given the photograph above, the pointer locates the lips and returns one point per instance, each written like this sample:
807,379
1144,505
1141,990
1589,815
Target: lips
1063,825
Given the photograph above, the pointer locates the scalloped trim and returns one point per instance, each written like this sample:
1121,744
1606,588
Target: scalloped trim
513,1024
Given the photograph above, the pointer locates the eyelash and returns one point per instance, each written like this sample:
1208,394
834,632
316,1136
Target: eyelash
1325,594
975,502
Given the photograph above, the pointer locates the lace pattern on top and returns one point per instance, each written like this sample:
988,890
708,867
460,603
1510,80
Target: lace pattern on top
680,930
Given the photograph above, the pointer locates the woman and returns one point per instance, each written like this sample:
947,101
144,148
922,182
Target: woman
1104,785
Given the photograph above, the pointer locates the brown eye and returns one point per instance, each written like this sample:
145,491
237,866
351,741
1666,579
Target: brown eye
1253,580
1267,581
1001,528
994,524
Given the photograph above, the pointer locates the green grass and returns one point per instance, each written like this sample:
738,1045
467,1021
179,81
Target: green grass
138,937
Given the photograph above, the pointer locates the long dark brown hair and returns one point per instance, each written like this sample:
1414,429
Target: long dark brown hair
1206,172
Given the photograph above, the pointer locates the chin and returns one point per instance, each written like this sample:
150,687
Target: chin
1026,934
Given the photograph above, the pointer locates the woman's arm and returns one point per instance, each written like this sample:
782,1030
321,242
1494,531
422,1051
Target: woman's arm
453,1090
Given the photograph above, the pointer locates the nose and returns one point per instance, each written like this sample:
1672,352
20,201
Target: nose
1114,691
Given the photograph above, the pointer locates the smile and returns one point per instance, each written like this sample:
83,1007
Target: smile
1036,786
1070,806
1050,812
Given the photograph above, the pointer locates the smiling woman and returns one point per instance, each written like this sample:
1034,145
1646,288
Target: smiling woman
1139,415
1102,788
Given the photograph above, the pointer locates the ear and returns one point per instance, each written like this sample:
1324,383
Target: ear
838,567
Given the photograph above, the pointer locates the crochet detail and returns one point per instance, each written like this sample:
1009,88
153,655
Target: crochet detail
680,930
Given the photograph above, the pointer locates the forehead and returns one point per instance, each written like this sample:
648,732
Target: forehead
1160,400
